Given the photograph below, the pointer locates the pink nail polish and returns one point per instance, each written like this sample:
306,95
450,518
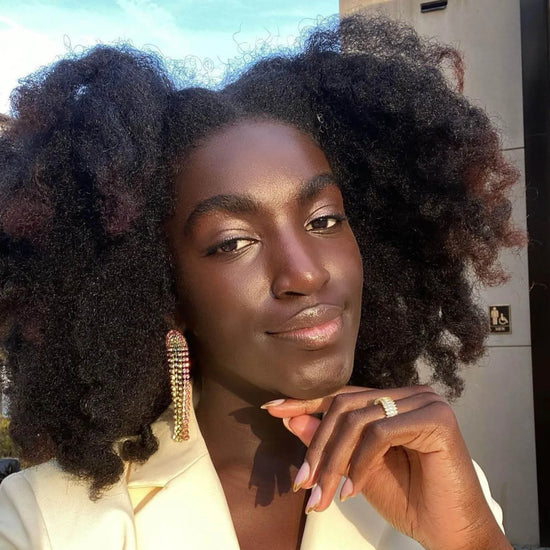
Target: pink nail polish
273,403
347,490
314,499
301,476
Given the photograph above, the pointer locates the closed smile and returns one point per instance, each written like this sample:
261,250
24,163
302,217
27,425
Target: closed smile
312,328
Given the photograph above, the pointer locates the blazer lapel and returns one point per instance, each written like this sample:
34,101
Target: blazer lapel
350,524
190,509
353,524
189,512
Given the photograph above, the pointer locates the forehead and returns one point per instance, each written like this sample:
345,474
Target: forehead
252,158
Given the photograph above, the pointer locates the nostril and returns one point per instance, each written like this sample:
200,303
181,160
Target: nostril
302,292
294,281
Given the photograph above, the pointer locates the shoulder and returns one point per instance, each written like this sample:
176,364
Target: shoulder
21,523
43,484
45,508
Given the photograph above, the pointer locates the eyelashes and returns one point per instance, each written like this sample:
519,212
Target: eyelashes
325,222
236,245
230,246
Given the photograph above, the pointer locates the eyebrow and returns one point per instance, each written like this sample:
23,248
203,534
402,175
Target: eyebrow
245,204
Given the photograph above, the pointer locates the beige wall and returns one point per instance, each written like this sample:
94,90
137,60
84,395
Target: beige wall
496,411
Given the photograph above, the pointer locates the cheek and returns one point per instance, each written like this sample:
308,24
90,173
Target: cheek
353,279
350,263
218,301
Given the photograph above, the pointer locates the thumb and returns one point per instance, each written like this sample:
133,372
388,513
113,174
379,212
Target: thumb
303,427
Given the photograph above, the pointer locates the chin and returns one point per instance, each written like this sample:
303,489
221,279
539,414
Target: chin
319,382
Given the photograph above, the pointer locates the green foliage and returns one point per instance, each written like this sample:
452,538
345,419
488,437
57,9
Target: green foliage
7,448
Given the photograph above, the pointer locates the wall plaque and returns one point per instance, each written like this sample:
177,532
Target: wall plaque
500,321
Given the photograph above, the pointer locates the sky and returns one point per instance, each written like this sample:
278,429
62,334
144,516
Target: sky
207,34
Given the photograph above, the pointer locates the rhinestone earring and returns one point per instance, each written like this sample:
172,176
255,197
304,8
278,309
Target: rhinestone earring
177,352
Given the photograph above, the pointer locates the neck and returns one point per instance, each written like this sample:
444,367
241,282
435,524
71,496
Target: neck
242,436
256,459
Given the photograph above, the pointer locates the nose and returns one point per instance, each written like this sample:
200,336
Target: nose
298,268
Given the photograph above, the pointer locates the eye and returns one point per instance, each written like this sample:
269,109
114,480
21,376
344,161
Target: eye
230,246
325,222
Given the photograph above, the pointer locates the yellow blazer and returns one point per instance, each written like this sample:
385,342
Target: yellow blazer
44,508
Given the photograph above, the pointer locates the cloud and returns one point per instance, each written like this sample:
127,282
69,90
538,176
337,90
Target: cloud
148,18
28,49
39,32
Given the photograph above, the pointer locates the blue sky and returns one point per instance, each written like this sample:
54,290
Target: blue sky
34,33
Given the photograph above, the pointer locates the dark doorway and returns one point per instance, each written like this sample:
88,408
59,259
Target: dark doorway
536,111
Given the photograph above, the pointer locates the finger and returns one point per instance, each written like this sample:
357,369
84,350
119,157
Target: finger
343,442
303,427
294,407
425,429
337,455
285,408
341,405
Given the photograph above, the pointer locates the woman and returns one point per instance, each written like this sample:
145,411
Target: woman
131,210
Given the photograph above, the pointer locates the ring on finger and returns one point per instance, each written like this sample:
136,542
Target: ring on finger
388,404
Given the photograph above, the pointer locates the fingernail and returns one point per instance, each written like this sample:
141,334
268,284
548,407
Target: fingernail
273,403
301,476
286,422
314,499
347,490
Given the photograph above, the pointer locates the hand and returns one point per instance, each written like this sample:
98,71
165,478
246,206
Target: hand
414,468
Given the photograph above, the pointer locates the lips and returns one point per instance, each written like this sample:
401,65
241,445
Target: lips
312,328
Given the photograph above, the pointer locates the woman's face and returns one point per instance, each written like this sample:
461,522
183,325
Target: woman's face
268,271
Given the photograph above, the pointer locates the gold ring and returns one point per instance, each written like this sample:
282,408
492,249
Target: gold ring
390,408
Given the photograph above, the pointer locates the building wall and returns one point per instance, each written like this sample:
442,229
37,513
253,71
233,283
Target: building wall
496,410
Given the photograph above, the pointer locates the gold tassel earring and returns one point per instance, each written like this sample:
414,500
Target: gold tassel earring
177,352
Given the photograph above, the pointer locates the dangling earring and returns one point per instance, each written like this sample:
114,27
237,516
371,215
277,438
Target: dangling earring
177,352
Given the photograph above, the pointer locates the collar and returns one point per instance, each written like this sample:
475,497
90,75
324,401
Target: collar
172,458
192,490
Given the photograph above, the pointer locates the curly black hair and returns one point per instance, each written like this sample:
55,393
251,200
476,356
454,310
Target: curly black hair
87,170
